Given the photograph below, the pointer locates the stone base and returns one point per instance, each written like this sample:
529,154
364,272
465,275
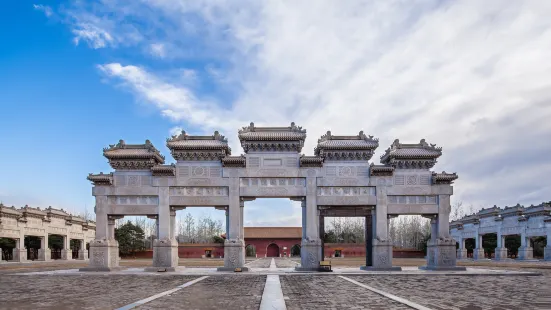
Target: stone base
547,253
66,254
382,254
371,268
441,253
159,269
461,253
443,268
234,256
19,255
243,269
104,255
83,255
478,254
500,254
44,254
525,253
310,255
165,253
99,269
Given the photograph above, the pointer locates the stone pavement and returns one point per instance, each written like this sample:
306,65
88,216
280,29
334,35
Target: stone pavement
74,290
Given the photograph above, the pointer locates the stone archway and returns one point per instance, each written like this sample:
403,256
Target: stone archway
272,250
295,250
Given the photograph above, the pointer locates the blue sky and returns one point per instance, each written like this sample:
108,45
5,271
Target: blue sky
473,78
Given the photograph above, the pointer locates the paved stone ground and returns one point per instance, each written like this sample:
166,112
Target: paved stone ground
218,292
81,292
330,292
244,291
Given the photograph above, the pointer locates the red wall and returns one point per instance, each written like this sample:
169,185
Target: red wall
348,250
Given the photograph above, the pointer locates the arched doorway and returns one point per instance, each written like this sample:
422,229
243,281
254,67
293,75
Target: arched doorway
295,250
272,250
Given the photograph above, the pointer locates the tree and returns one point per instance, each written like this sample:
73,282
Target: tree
130,238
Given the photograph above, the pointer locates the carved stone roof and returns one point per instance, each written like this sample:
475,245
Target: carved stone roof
57,212
101,178
380,170
444,178
359,147
164,170
10,211
543,209
234,161
33,212
270,139
494,211
186,147
311,161
420,155
512,211
133,156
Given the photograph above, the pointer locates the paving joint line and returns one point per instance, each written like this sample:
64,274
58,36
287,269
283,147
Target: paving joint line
151,298
401,300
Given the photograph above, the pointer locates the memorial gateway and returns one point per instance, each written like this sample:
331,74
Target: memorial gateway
337,181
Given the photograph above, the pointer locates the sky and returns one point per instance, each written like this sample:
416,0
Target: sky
473,77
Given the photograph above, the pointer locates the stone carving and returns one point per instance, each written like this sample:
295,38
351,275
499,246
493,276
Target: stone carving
347,200
198,182
383,259
98,258
199,171
199,191
133,180
346,191
268,182
394,199
271,172
271,191
134,200
411,179
399,180
346,171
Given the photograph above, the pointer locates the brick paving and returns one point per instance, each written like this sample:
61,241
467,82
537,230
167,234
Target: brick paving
81,292
285,263
330,292
216,292
466,292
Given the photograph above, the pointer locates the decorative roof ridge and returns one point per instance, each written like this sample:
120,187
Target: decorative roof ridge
234,161
311,161
444,177
55,211
421,145
122,145
164,170
361,136
184,136
100,178
252,128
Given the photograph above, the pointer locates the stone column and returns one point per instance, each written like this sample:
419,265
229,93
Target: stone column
462,251
322,235
547,249
173,224
303,207
479,250
19,252
104,251
441,251
234,246
525,251
82,252
44,253
242,223
66,253
310,251
501,250
382,245
227,223
165,247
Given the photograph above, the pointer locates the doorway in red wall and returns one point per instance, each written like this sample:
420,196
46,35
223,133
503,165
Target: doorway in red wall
272,250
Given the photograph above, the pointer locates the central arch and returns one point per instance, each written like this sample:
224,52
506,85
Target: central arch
272,250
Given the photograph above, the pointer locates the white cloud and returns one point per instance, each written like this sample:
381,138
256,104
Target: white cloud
471,77
158,50
44,8
93,35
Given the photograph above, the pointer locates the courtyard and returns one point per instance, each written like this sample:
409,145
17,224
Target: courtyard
58,285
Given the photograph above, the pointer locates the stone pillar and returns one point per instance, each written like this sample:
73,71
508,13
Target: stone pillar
44,253
242,223
173,224
525,251
66,253
157,227
479,250
303,207
234,246
381,247
310,251
462,251
547,249
501,250
82,252
227,223
104,251
322,236
165,247
441,251
19,252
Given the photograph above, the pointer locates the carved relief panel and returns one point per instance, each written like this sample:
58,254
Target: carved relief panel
199,171
199,191
347,191
134,200
419,199
132,180
347,171
412,179
269,182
